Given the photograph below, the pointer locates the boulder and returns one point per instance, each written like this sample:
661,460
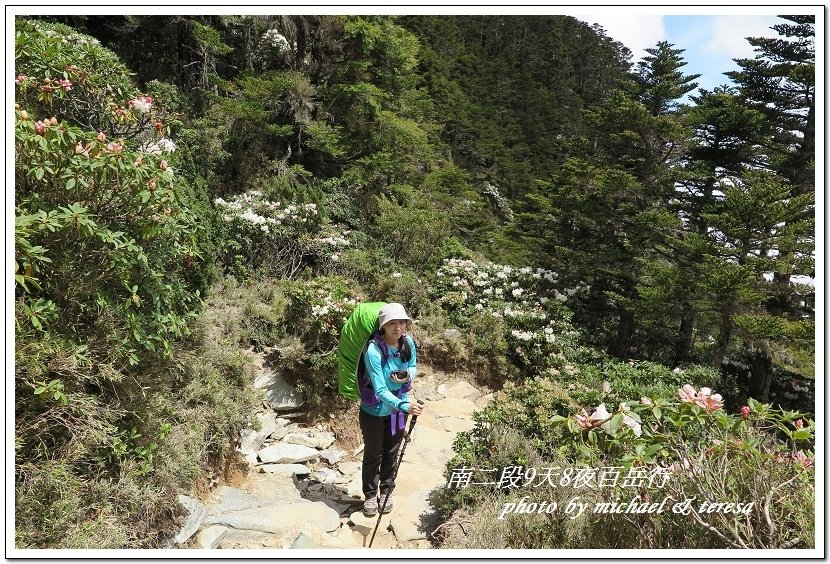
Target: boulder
279,393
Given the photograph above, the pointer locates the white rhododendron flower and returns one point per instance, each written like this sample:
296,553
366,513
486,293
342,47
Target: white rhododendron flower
142,104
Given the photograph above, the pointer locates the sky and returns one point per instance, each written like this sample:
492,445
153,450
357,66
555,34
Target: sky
710,42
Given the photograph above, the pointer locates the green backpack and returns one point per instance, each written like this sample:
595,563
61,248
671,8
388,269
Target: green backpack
357,331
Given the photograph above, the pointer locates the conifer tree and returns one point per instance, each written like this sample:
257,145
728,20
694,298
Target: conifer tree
726,139
780,83
662,84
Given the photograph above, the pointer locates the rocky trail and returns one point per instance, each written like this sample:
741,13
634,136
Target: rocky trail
302,485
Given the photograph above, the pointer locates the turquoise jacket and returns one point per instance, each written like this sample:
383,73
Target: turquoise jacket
384,386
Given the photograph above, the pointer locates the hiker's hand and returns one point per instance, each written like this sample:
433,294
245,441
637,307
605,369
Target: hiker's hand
415,408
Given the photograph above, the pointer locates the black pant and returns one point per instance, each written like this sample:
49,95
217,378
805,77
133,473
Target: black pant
379,453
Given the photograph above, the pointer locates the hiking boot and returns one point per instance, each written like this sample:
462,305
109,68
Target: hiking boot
370,507
388,507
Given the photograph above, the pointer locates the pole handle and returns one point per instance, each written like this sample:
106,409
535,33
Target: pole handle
415,417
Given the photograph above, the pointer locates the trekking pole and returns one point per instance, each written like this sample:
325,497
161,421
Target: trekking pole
406,440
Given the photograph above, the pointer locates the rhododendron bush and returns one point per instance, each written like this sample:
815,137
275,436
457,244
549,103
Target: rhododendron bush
107,197
274,237
528,300
739,480
108,274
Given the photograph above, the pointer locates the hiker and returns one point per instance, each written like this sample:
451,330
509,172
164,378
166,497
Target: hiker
389,364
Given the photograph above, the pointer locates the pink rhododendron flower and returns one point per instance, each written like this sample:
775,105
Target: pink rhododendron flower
600,413
141,103
163,165
745,411
137,162
67,85
687,393
40,128
20,78
46,88
115,148
709,403
583,420
705,398
82,149
600,417
101,136
799,424
805,460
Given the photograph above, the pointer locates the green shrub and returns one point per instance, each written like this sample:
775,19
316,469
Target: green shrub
661,448
112,418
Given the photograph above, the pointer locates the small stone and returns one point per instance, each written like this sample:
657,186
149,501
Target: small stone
324,439
332,455
325,476
285,469
349,468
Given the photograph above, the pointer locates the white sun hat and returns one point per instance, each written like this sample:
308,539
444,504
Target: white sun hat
390,312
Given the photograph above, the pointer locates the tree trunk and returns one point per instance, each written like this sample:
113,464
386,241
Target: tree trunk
724,336
685,335
625,330
761,375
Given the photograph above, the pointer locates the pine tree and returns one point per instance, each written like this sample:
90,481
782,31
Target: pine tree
726,136
751,222
661,82
780,83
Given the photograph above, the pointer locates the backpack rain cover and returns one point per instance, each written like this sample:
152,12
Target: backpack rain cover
360,326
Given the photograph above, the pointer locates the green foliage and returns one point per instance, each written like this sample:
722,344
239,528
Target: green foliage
330,159
412,233
111,263
667,449
314,317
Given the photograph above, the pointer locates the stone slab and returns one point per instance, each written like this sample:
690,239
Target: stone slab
277,518
287,453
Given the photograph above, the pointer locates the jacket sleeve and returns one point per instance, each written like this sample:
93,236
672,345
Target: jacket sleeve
378,378
412,370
